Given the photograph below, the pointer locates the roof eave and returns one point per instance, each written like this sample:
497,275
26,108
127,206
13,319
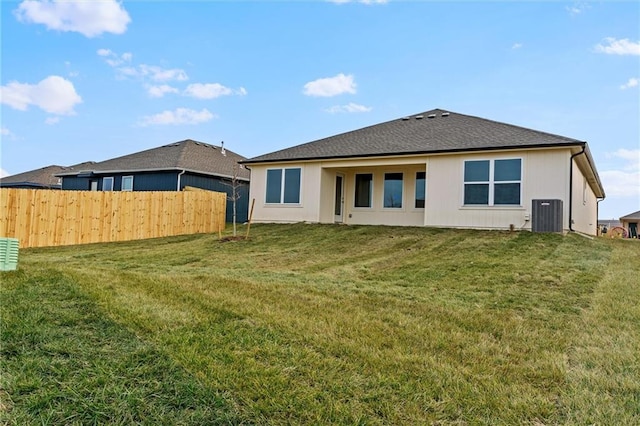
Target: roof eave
409,153
164,169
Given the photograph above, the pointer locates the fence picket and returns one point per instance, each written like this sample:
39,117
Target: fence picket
41,218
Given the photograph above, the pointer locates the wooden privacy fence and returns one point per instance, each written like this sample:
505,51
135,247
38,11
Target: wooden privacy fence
42,218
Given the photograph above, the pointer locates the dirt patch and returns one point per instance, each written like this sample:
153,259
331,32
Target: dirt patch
236,238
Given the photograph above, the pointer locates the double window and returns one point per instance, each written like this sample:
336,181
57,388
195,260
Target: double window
492,182
283,186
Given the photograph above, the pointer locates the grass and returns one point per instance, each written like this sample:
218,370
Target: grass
318,324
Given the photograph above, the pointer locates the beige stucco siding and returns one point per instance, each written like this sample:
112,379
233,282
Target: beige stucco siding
545,175
317,195
306,211
377,214
584,209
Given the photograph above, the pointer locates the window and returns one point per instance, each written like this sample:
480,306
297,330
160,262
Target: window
283,186
393,190
364,187
420,189
107,184
127,183
492,182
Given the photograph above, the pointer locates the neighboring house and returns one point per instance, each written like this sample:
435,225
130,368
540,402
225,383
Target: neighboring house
606,225
43,178
437,168
630,223
170,167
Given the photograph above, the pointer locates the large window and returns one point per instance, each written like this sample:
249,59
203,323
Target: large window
364,189
492,182
127,183
107,184
420,189
283,186
393,190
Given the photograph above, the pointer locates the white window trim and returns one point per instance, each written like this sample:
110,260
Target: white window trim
104,179
122,181
281,203
492,182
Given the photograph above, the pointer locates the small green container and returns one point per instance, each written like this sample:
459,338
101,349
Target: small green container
8,254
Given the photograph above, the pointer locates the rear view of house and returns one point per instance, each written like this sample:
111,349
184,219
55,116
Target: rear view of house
436,168
171,167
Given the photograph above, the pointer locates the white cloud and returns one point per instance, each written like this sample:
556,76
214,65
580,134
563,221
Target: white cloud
207,91
160,91
161,74
4,173
516,46
619,47
330,86
211,91
52,120
624,182
90,18
54,95
631,156
144,71
350,107
577,8
6,132
179,116
633,82
113,59
152,72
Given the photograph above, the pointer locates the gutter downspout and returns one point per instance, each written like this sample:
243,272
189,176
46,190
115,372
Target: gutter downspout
179,175
571,188
598,214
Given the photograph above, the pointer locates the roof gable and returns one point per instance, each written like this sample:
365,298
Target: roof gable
432,131
43,177
188,155
634,215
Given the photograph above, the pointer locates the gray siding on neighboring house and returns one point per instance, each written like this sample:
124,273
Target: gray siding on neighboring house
218,185
75,183
168,181
168,168
157,181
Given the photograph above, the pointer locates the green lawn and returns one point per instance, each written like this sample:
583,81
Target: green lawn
320,324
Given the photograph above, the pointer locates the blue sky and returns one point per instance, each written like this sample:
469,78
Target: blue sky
89,81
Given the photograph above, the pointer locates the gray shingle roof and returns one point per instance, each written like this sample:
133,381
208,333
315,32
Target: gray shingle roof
41,178
188,155
45,177
432,131
634,215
